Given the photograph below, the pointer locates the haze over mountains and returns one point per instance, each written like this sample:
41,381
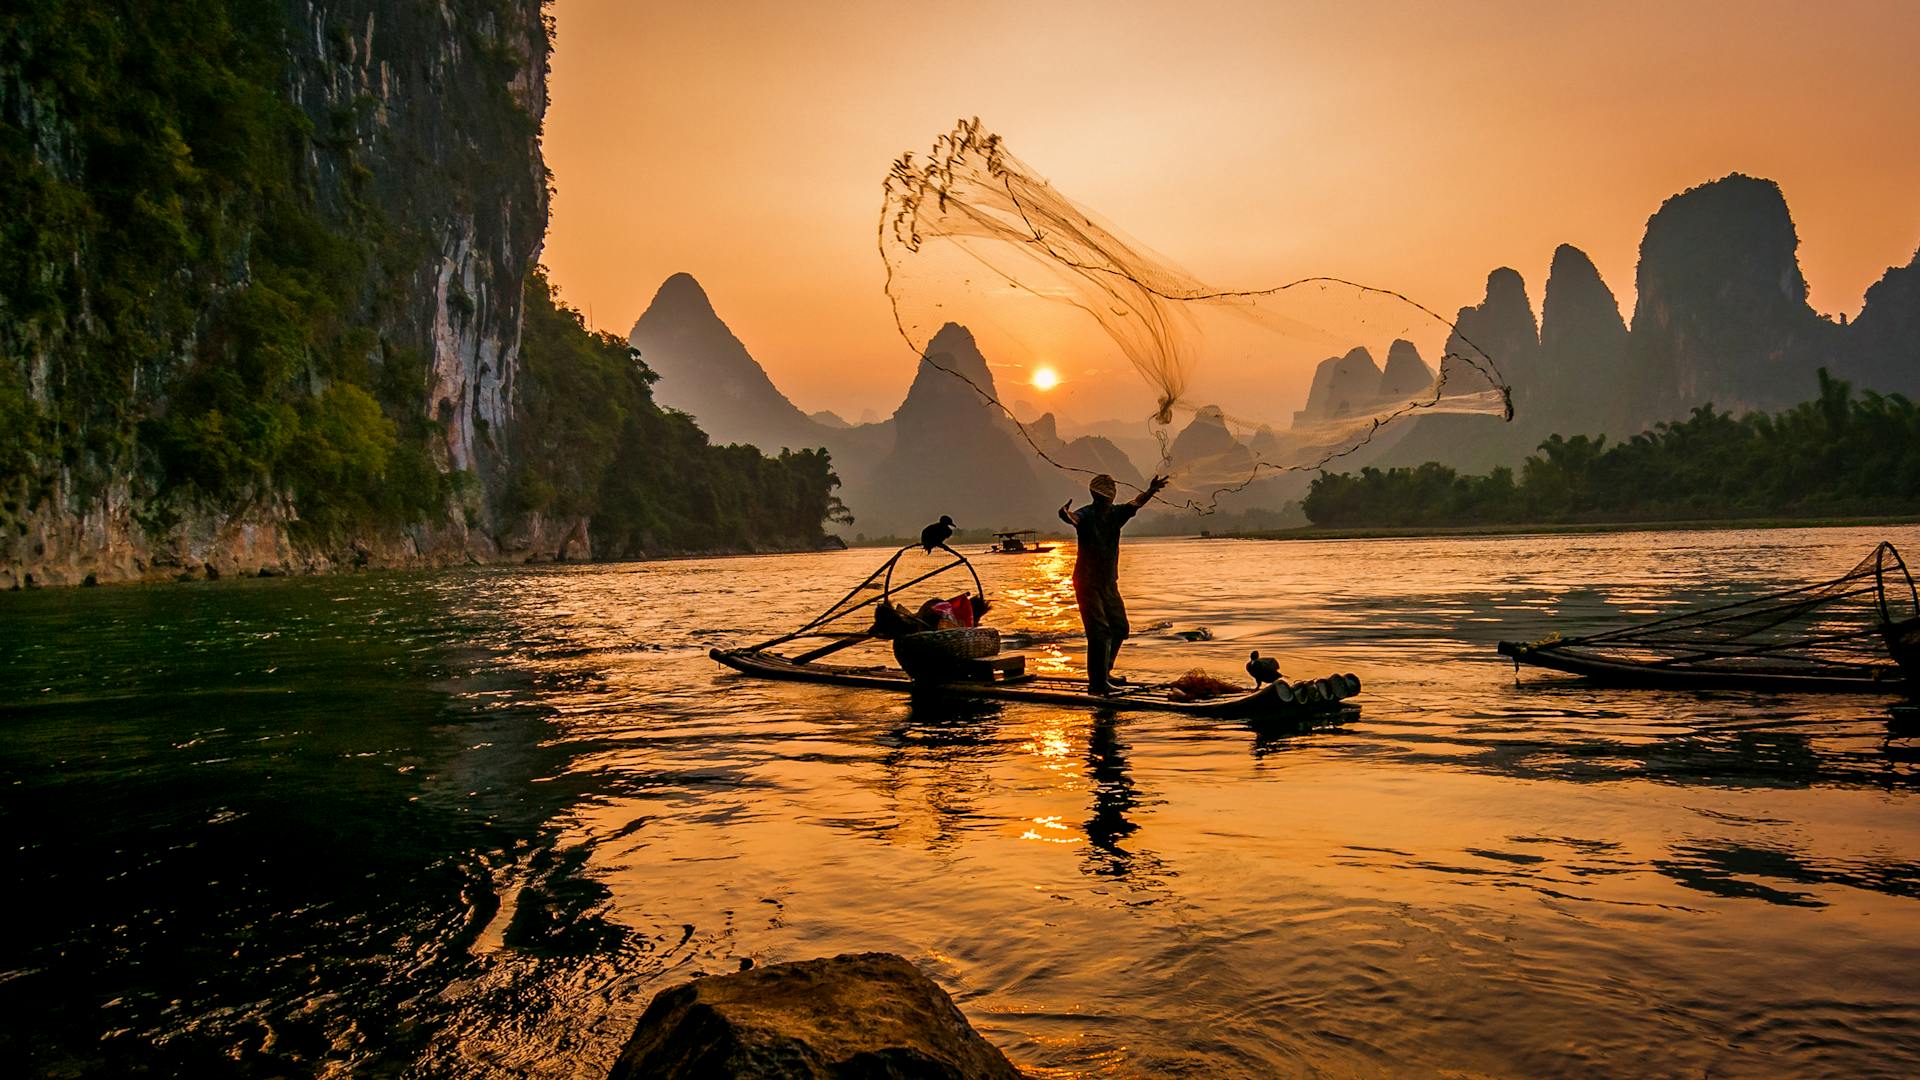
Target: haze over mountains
1721,316
945,450
705,371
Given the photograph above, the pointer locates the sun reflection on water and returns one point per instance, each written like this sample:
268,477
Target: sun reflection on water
1053,739
1041,606
1063,835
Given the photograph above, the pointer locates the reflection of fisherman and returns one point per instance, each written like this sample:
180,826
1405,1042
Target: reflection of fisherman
1113,795
1096,573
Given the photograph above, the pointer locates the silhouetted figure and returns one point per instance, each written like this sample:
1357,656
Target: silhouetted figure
1096,573
1263,669
937,534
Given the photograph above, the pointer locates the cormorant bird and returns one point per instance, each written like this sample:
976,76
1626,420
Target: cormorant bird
937,534
1264,670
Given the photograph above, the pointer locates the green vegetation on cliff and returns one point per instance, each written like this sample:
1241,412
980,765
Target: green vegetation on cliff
590,442
270,254
1835,455
178,301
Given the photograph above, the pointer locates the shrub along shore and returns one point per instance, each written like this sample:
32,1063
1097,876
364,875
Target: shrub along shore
1840,457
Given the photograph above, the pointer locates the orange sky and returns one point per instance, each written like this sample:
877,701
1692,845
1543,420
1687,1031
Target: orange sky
1412,145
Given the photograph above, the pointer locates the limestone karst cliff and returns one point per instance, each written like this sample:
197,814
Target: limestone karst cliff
1406,375
1721,313
952,453
1342,386
273,259
1502,327
1583,354
1883,344
705,371
263,288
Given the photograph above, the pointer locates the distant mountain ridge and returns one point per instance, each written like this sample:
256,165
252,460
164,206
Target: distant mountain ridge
1884,342
945,450
1353,385
1721,315
706,372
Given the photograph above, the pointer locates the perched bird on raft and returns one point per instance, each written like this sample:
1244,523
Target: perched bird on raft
937,534
1264,669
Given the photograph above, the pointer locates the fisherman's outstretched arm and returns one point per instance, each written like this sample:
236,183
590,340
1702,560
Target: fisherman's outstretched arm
1153,488
1067,515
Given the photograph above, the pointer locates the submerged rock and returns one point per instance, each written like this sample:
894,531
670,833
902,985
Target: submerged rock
868,1015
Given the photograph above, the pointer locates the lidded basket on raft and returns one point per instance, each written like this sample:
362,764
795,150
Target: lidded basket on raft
931,654
935,655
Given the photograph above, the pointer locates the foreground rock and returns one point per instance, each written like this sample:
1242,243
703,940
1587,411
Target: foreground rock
871,1015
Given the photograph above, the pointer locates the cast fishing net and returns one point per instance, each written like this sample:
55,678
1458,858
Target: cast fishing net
970,234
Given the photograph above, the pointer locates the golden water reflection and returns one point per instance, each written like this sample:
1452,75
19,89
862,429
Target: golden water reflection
1039,603
1477,877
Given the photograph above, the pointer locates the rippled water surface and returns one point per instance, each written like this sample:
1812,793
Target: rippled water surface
466,824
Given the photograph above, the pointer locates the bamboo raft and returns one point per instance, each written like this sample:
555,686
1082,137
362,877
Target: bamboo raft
1301,704
1856,633
1265,704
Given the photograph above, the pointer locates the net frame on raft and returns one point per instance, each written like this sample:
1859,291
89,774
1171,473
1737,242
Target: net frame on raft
846,605
1834,631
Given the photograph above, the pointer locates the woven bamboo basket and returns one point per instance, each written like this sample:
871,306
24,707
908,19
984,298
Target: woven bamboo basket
933,654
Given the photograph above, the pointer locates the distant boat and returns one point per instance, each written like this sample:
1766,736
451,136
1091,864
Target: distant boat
1015,543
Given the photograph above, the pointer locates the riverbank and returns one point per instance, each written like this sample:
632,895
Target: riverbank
1555,528
964,539
269,553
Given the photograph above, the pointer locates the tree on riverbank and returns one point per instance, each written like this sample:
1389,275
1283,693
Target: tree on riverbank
591,442
1840,453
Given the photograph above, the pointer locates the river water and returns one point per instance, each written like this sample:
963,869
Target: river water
467,823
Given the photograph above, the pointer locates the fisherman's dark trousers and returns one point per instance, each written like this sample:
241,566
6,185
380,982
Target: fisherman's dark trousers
1104,615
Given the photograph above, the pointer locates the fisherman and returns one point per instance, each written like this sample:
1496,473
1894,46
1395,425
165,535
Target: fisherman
1096,573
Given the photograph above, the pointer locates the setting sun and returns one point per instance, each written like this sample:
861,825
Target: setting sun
1045,378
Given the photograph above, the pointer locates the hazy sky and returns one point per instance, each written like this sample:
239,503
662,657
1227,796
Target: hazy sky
1415,145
